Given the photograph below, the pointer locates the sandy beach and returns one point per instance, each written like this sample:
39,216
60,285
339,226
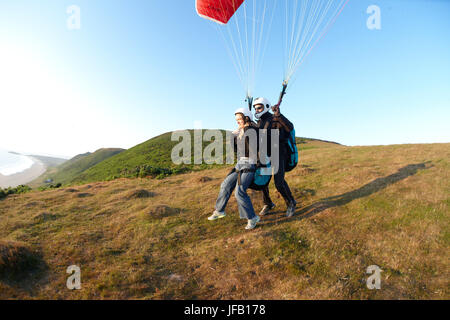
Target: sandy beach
25,176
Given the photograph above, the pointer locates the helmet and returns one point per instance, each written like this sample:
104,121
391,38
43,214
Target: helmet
265,103
245,112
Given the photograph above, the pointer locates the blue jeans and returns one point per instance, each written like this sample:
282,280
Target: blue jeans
245,206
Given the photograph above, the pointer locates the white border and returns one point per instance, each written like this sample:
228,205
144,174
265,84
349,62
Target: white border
206,17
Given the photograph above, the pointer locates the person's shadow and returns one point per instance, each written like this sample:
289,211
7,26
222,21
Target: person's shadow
342,199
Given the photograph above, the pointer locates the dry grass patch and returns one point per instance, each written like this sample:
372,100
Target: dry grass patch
161,211
140,194
17,258
44,216
204,179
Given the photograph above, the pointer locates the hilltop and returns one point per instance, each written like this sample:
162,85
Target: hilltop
149,238
67,171
49,162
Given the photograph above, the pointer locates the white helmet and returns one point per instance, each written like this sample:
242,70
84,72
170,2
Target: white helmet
265,103
245,112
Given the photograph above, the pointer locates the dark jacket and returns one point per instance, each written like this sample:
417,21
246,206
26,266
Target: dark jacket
281,123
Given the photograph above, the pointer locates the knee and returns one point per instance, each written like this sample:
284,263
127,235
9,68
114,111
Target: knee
223,185
279,183
240,193
226,185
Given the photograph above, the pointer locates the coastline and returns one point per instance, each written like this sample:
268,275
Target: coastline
23,177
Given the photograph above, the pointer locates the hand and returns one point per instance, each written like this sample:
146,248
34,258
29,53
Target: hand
276,109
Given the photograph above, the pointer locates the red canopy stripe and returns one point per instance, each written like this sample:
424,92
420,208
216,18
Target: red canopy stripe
219,11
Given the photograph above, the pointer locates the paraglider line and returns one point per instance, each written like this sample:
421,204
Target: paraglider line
323,33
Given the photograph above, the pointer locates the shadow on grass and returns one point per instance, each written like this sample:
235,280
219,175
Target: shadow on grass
21,268
365,191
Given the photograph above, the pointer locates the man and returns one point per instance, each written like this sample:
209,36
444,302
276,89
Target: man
277,121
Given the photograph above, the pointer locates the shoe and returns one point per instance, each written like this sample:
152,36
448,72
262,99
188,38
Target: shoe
291,209
252,222
216,215
266,209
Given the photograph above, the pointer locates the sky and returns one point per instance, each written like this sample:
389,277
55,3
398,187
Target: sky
137,69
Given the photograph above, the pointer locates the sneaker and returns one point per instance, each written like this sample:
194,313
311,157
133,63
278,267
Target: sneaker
294,203
252,222
216,215
291,209
266,209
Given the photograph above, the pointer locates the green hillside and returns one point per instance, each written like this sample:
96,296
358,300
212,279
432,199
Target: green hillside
153,158
150,158
66,172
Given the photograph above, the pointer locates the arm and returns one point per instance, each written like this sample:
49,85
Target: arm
282,120
288,126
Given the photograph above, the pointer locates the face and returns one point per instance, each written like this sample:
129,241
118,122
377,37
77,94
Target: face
240,119
259,108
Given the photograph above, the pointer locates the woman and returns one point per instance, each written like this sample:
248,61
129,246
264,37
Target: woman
241,177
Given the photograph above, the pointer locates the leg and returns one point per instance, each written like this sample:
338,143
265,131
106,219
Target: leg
266,196
268,204
245,206
281,184
226,188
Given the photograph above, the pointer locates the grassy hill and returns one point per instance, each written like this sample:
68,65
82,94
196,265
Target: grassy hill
69,170
149,238
150,158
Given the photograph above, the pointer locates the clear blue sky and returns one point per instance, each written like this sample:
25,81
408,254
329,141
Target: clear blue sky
137,69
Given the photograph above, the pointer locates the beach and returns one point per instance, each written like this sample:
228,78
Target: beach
23,177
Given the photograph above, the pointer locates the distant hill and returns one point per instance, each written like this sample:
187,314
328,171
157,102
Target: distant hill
67,171
50,161
321,142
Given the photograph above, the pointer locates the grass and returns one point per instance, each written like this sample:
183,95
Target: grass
149,238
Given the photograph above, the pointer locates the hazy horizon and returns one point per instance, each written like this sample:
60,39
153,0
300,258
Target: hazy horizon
68,157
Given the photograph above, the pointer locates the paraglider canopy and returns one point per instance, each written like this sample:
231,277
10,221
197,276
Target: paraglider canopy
245,25
219,11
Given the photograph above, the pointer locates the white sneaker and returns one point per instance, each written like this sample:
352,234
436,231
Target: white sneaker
252,222
266,209
216,215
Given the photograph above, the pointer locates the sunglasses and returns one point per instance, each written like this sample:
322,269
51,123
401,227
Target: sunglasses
259,107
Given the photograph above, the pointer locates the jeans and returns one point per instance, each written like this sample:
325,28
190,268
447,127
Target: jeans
245,206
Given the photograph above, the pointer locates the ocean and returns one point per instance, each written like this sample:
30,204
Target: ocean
13,163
